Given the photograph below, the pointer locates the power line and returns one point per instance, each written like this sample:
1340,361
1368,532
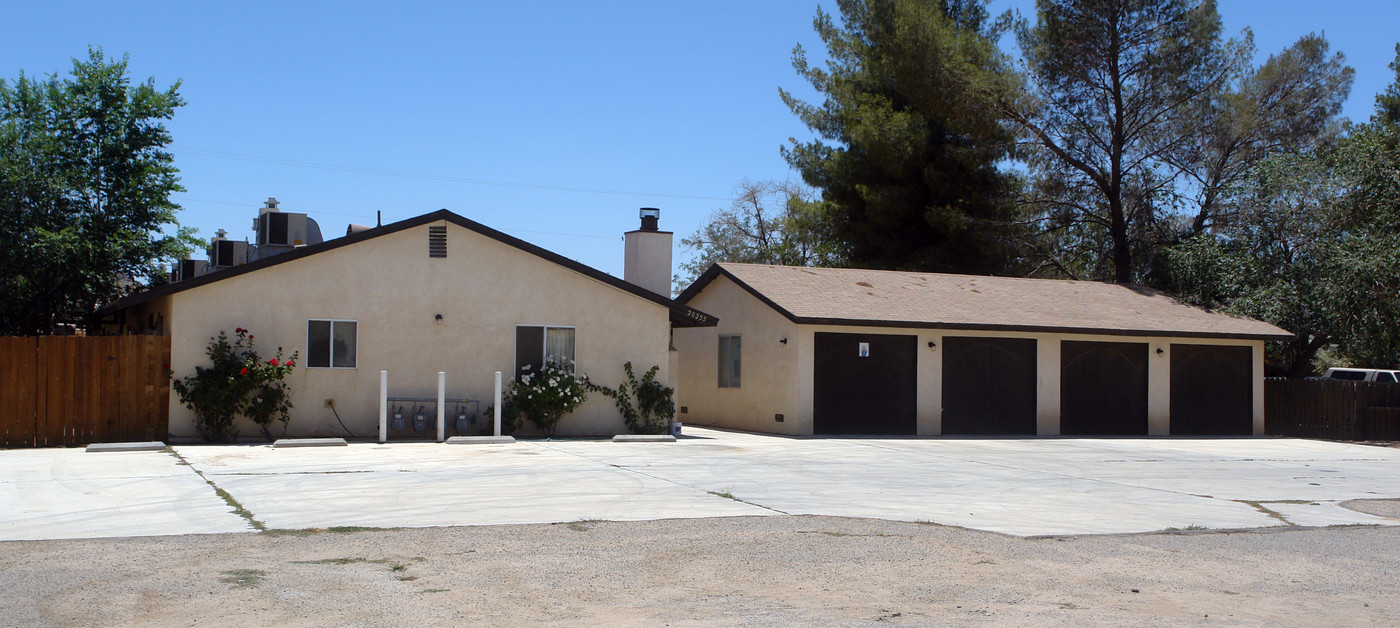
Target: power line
318,212
436,177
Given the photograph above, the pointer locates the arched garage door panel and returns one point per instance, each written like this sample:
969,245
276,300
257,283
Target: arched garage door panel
870,392
1212,390
1103,388
988,385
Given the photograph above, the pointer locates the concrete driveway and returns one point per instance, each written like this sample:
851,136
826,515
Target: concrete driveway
1013,486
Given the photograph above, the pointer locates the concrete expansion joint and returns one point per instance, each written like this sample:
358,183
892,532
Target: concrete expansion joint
236,507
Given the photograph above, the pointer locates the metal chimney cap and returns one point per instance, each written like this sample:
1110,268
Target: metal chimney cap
650,215
272,203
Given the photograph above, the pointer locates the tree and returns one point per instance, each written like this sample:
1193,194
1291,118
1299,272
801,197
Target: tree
1314,248
1289,104
1137,113
85,184
769,222
910,150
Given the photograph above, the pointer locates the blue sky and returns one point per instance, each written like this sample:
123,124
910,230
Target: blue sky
552,121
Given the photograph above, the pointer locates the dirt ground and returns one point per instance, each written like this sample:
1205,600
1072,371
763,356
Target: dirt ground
724,571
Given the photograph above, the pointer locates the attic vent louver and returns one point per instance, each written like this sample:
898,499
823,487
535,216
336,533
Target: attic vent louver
437,241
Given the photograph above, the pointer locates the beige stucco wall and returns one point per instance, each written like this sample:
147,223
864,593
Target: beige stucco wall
483,289
751,409
768,382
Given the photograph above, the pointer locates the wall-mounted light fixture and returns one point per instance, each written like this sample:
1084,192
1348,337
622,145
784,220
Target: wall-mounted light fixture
438,318
1160,352
932,345
783,341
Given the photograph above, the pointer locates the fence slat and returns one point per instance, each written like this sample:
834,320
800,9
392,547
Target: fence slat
1333,409
75,390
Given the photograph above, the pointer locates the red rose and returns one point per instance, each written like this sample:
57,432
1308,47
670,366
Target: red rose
290,364
273,361
250,336
244,371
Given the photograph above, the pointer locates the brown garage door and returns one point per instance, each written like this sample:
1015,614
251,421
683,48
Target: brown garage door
864,384
1212,390
988,385
1103,388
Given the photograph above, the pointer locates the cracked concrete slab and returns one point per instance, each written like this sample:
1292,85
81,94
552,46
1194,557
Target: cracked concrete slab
1028,487
66,494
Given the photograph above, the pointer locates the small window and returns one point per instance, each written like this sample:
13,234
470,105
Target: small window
1351,376
535,344
1384,377
331,344
729,361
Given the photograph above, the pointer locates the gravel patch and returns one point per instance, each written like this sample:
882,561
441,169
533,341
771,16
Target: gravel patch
765,571
1378,507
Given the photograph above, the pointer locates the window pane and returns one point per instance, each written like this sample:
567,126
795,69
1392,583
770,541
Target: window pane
343,344
559,345
729,360
1385,377
318,343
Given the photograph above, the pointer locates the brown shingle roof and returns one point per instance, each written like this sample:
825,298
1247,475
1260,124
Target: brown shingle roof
906,299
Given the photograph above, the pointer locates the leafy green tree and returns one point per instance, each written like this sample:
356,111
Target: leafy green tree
769,222
910,151
1314,248
1141,120
85,185
1289,104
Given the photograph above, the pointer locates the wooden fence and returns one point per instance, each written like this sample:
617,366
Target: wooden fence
75,390
1327,408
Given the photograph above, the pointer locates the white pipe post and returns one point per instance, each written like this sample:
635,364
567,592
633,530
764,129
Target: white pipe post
442,409
498,403
383,406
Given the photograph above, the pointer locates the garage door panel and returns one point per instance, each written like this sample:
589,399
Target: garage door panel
989,385
1212,390
874,393
1103,388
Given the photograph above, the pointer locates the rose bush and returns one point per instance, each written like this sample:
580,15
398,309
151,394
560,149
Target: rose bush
238,383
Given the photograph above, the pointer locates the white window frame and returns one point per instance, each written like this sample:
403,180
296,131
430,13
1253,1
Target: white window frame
544,342
331,349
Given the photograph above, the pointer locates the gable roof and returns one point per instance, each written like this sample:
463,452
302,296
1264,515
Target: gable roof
847,296
681,315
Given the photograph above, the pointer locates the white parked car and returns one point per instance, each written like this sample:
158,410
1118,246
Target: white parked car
1362,375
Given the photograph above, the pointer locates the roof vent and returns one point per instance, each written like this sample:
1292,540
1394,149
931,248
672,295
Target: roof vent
437,241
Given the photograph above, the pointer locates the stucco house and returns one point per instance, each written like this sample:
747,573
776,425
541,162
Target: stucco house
433,293
845,351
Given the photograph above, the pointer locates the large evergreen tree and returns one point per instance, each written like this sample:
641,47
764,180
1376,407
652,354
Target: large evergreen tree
85,185
910,148
1142,119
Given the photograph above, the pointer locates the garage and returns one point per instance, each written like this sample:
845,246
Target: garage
989,385
864,384
965,355
1212,391
1103,388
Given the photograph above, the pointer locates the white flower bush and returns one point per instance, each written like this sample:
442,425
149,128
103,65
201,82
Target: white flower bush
547,395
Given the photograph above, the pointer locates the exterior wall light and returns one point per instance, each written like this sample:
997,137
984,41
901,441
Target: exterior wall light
438,318
1160,352
783,341
933,346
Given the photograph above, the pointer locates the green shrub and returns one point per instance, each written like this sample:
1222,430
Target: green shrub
238,383
545,396
647,406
